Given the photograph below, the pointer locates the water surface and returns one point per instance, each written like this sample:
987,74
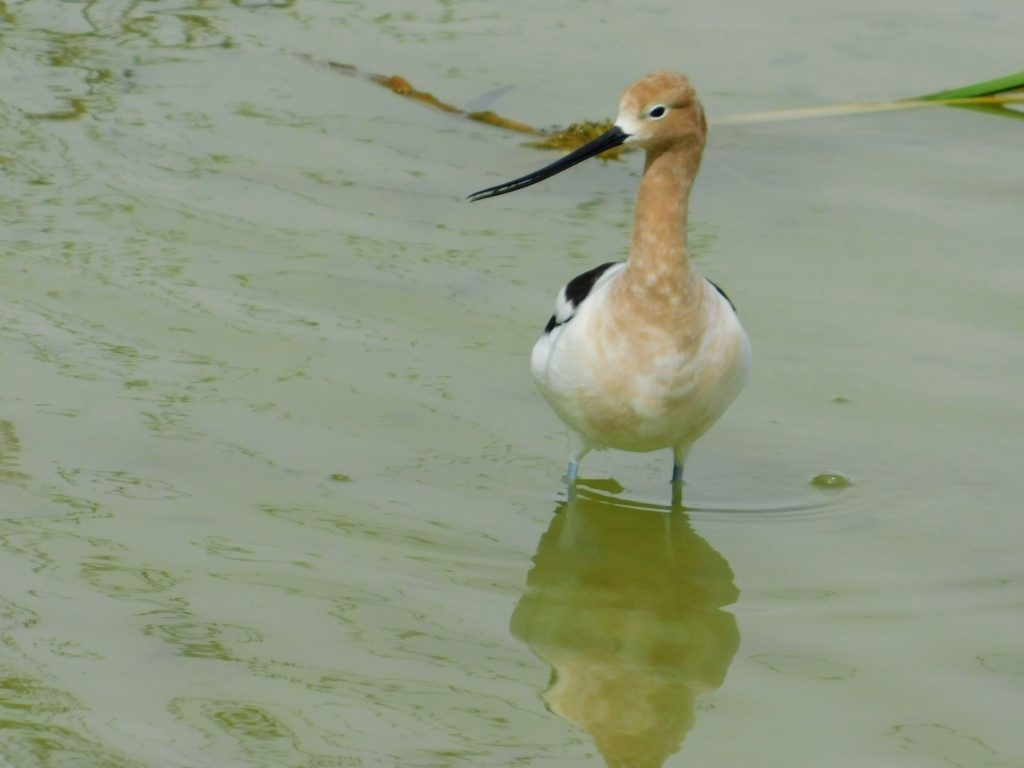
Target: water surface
276,487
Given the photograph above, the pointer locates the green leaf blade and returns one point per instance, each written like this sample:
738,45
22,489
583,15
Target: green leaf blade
986,88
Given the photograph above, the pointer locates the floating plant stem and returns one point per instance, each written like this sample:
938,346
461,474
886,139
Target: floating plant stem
990,96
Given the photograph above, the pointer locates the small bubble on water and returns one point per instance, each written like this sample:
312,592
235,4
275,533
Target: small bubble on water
831,480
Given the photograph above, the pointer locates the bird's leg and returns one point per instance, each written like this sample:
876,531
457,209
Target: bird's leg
677,474
571,474
580,448
679,453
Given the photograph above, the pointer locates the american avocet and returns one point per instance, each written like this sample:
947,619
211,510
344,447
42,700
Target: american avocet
643,354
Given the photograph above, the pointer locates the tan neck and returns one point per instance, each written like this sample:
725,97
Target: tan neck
659,262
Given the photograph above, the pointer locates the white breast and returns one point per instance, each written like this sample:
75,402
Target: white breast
646,388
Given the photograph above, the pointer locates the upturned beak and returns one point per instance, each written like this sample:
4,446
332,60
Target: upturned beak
613,137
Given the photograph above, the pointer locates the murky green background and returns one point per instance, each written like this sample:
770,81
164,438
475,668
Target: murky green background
277,490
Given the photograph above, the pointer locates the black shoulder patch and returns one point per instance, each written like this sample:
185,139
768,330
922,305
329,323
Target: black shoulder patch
724,296
577,289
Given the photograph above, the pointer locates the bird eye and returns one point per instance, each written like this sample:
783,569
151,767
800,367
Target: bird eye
658,111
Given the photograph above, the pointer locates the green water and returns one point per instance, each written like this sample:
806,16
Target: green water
276,487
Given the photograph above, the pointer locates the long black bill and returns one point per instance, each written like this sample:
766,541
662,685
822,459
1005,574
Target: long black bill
607,140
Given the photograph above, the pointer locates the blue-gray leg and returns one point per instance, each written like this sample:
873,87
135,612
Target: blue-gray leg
579,449
571,474
679,453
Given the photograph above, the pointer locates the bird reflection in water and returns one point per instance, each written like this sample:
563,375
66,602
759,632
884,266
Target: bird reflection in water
625,603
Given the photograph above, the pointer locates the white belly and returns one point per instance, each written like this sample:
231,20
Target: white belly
642,388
